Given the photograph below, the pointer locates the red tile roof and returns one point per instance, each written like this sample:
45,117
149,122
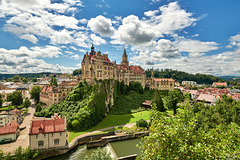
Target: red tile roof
137,69
147,103
47,126
220,83
46,88
163,79
10,128
206,97
15,112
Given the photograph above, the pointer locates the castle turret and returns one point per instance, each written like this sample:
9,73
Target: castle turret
124,58
92,50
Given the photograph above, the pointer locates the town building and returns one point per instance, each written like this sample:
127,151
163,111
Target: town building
218,84
54,94
96,66
211,99
8,116
10,132
4,93
160,83
189,83
48,133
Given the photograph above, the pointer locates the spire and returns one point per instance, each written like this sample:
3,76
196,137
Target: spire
124,52
92,50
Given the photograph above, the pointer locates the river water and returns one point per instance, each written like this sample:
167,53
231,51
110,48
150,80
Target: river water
116,149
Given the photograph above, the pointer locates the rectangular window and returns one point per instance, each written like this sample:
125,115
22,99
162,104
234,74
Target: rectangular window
60,133
36,136
40,143
56,141
44,135
52,134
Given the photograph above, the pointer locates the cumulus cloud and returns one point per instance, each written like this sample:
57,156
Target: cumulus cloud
24,60
62,37
101,25
134,31
196,46
97,40
30,38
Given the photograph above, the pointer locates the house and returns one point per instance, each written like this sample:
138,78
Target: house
162,84
208,98
218,84
194,93
189,83
54,94
10,132
4,93
8,116
147,104
48,133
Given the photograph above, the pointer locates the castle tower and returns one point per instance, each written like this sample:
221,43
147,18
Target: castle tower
92,50
124,59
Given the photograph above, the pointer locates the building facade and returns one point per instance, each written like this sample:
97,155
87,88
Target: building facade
13,115
10,132
189,83
53,94
48,133
98,66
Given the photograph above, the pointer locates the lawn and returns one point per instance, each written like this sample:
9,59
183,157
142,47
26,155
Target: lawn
113,120
7,108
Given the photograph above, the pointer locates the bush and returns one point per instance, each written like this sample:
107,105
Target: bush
142,123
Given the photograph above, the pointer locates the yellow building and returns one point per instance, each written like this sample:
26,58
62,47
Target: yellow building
98,66
161,83
48,133
13,115
53,94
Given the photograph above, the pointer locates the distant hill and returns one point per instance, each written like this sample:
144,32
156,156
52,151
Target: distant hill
183,76
230,78
26,75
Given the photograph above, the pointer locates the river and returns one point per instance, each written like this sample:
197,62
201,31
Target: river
117,149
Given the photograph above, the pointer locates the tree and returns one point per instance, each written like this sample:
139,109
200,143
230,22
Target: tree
159,102
173,98
15,98
142,123
1,100
24,80
99,154
53,81
26,103
181,138
38,108
16,78
77,72
35,93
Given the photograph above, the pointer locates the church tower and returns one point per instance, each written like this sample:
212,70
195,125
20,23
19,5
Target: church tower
124,59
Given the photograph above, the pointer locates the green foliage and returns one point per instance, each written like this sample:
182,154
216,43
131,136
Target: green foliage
142,123
77,72
158,101
1,100
53,81
15,98
183,76
130,102
186,137
35,93
26,103
16,78
24,80
99,154
84,107
38,108
174,97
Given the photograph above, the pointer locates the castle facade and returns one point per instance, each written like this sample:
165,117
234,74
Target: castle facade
98,66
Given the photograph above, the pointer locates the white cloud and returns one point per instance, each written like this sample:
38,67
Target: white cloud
97,40
151,13
195,46
75,57
30,38
101,25
62,37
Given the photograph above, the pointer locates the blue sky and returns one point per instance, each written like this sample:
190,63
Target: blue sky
196,36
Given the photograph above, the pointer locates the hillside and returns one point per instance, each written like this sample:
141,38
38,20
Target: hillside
183,76
26,75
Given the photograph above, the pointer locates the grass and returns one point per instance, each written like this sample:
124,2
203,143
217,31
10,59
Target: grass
7,108
113,120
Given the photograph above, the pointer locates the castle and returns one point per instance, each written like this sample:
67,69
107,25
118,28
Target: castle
98,66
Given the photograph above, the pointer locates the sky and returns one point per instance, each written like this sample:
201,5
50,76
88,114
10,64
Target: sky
195,36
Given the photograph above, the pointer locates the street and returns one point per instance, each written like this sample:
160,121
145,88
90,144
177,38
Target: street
23,139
